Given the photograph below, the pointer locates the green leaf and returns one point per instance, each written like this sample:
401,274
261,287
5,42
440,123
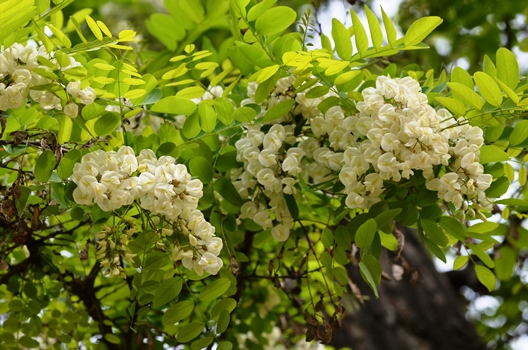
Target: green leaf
434,232
279,110
498,187
225,345
318,91
223,321
513,201
275,20
107,124
375,29
239,7
511,94
346,77
254,55
371,271
228,304
433,248
453,227
483,256
460,262
259,9
291,203
154,260
488,88
177,312
466,94
454,105
365,234
228,191
505,261
491,153
215,289
343,45
267,73
224,108
244,114
385,219
15,305
486,277
489,67
191,127
191,92
202,343
389,28
420,29
65,129
112,338
28,342
44,166
202,168
327,238
174,105
190,331
65,168
166,291
460,75
325,43
484,227
507,68
207,116
359,32
94,27
519,133
14,14
264,89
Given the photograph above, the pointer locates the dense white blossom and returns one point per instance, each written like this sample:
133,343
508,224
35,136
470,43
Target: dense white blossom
394,133
160,185
18,75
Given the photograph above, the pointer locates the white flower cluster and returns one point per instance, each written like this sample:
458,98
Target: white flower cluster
401,133
395,133
115,179
263,161
275,160
17,77
111,246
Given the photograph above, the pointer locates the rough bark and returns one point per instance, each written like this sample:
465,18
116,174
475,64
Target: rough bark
423,311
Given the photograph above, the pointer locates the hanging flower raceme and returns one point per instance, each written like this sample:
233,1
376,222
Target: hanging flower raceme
112,179
21,74
394,134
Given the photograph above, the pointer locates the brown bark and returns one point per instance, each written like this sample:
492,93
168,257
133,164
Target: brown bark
421,312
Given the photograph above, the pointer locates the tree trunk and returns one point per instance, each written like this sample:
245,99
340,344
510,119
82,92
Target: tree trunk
422,311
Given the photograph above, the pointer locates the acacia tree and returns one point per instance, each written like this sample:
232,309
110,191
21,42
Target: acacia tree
214,195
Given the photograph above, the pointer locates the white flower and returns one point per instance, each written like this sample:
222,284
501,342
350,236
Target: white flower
214,245
82,197
248,210
71,110
87,96
266,177
194,188
210,263
267,158
74,88
289,185
280,232
263,219
111,180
